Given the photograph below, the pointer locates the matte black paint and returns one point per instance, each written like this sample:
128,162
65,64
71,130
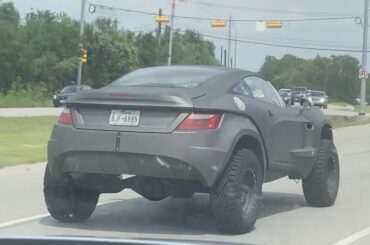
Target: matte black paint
289,139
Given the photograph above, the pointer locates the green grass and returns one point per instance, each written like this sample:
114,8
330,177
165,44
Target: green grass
10,101
357,108
24,139
344,121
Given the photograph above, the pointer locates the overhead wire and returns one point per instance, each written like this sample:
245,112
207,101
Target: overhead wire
281,45
276,11
92,9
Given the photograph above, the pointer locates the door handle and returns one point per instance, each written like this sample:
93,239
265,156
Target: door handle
271,113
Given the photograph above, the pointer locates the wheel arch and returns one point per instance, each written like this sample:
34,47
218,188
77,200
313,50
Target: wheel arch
326,132
253,143
250,139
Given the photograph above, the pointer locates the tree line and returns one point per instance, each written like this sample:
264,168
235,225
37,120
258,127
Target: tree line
42,50
39,54
337,75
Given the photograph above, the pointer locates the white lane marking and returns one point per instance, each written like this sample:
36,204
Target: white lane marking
31,218
354,237
24,220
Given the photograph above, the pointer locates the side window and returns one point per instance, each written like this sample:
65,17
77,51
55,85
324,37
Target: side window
241,88
262,90
281,101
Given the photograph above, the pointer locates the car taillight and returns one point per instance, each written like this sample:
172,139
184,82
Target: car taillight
198,121
66,117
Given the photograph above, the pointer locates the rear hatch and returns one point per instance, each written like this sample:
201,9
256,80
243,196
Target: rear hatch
137,109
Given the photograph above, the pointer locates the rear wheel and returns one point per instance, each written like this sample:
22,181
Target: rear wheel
321,187
67,202
235,198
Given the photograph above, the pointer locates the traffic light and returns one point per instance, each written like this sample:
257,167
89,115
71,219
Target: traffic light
162,19
84,56
218,23
274,24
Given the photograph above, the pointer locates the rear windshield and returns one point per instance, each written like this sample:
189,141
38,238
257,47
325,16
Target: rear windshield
167,77
69,89
318,94
299,90
73,89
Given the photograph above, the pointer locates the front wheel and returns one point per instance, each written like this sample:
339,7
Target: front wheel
321,187
65,201
235,198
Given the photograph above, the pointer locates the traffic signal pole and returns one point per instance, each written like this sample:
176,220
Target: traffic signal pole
229,44
364,59
171,32
82,27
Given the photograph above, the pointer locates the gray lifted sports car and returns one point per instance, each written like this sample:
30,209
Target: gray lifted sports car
185,129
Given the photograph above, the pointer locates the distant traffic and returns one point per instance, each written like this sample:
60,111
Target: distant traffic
296,94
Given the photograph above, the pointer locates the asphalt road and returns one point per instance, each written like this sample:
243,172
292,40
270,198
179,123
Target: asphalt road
285,217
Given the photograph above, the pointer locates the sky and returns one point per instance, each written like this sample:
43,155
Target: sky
332,34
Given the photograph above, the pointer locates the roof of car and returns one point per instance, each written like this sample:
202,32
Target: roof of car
193,67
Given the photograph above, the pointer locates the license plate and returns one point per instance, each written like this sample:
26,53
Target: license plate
124,118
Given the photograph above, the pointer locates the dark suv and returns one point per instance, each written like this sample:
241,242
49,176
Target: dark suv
298,93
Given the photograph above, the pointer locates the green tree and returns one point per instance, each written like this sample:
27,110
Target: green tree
111,54
9,13
337,75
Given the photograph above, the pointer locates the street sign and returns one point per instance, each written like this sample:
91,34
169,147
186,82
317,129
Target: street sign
363,74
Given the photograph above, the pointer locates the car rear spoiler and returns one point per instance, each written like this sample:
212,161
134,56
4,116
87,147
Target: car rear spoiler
128,99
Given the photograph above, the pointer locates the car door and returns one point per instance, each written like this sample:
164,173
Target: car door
285,127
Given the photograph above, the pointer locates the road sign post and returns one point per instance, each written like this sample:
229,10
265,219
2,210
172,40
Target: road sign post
364,61
82,27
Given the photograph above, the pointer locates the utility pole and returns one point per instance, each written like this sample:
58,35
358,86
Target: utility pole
364,59
235,48
82,27
225,55
222,52
159,30
171,32
229,43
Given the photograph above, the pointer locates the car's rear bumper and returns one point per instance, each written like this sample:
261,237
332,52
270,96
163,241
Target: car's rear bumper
181,155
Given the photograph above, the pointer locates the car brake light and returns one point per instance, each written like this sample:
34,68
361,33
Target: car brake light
197,121
66,117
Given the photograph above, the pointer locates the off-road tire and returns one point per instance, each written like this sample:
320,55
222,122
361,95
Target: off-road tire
65,201
321,187
235,197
